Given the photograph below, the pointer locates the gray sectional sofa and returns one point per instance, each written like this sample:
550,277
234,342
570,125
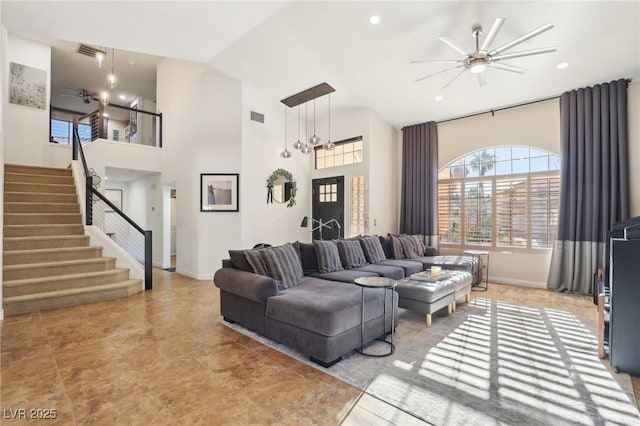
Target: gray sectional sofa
303,295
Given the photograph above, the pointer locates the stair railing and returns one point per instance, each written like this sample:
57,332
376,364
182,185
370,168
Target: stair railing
91,191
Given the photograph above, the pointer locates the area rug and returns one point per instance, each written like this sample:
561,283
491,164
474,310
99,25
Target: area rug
490,363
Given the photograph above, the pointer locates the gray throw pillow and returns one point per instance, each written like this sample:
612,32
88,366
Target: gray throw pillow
396,247
284,265
351,253
410,246
239,260
254,258
328,256
372,249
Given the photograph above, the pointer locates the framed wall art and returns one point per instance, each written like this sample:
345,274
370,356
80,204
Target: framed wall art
27,86
219,192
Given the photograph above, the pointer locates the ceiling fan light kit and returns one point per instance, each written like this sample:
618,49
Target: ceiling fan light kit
482,58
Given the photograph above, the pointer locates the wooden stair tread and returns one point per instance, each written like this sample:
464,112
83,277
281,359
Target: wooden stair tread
69,292
58,263
52,250
87,275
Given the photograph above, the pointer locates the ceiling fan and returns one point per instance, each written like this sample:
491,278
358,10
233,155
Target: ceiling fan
86,95
477,62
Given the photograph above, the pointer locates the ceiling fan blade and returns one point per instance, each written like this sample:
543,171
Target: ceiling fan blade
439,72
521,39
452,45
439,61
524,53
492,33
454,78
482,78
506,67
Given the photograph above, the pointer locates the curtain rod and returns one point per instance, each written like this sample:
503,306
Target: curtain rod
494,110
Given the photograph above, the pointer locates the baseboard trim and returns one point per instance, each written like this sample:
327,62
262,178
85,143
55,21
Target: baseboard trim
201,277
521,283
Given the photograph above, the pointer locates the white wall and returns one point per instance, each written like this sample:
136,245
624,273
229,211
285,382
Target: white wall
26,128
262,143
202,134
143,203
383,176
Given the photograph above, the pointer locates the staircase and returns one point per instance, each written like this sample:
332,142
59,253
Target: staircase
48,262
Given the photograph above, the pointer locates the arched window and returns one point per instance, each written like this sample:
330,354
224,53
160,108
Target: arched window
500,197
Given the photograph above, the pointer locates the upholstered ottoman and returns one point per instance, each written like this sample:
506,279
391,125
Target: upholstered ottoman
462,280
425,297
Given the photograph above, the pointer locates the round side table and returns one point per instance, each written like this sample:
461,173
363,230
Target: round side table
386,284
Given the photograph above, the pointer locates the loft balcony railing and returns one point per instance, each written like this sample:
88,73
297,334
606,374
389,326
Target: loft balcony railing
101,212
111,122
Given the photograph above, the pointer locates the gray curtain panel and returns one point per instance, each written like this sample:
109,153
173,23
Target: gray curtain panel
594,182
419,198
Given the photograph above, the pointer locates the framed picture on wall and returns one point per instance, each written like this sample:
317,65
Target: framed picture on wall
115,196
219,192
27,86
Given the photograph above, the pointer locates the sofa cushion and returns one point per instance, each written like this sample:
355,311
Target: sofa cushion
328,256
387,247
396,248
324,307
351,253
239,260
411,246
410,266
372,249
345,276
308,258
254,258
393,272
284,266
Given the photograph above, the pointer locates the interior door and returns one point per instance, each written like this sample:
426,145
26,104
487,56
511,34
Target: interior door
328,203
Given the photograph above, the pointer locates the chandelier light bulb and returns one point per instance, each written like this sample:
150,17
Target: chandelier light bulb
314,140
329,146
112,81
306,149
285,154
104,97
100,59
298,144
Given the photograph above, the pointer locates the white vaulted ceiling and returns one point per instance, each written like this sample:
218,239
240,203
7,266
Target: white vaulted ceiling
285,47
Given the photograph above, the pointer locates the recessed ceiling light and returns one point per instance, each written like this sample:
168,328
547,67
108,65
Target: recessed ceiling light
106,178
122,97
374,20
438,98
562,65
105,115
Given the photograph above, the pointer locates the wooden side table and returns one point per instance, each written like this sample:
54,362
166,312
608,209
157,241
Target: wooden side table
479,254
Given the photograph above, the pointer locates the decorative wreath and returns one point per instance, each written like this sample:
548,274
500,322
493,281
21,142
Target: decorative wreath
288,176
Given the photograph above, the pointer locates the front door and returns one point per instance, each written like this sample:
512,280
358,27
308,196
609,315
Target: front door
328,203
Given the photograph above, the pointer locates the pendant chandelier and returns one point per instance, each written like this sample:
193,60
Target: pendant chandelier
305,97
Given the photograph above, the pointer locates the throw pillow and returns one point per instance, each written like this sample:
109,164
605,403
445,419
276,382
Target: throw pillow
328,256
410,246
420,243
396,247
239,260
309,259
284,266
254,258
373,249
351,253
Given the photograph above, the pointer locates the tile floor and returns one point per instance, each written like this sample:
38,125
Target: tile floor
163,357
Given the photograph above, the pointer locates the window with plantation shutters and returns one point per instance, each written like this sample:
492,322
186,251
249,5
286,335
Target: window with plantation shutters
501,198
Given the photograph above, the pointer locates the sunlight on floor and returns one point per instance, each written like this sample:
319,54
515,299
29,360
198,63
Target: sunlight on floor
538,362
